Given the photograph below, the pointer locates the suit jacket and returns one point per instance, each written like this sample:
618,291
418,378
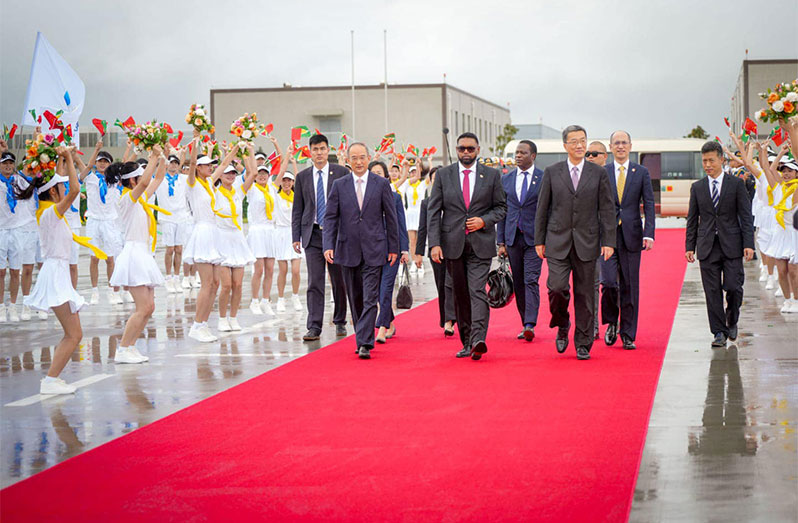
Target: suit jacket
517,211
361,235
304,211
447,213
731,222
575,218
636,189
421,240
404,240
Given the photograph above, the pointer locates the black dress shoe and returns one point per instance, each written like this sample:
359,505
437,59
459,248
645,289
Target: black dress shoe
720,340
340,330
465,352
529,333
480,348
582,353
364,353
562,339
628,343
312,335
733,333
448,332
611,335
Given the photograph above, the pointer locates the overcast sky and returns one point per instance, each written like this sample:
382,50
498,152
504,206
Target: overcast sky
656,68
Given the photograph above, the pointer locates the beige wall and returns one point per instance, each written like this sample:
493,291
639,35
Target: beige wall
760,75
470,113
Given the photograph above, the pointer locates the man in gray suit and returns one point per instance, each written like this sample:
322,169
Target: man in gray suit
466,202
575,209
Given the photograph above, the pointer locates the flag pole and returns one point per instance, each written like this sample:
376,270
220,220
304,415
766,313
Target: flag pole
385,52
352,34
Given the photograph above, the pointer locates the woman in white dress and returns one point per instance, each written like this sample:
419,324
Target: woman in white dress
135,267
53,289
284,251
230,240
201,247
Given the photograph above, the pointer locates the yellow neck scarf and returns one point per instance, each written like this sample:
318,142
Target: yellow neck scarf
213,198
770,195
229,195
788,188
415,191
287,197
148,208
267,198
80,240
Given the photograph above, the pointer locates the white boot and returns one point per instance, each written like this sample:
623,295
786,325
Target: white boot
224,325
266,307
280,304
234,325
254,307
12,313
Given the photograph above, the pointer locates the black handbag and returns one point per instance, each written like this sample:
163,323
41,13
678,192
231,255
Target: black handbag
404,297
500,285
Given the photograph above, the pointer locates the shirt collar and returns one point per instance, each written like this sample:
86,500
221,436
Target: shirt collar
325,170
578,166
471,169
624,164
531,170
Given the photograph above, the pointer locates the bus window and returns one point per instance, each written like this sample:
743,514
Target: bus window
678,166
543,160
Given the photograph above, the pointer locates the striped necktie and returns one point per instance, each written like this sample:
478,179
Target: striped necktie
715,194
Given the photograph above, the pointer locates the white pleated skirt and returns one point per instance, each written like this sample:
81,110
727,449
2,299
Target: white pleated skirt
283,244
260,239
412,218
135,266
54,287
201,246
233,248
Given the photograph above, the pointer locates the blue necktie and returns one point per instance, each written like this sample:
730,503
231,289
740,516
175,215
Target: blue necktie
524,189
171,180
321,204
10,199
715,195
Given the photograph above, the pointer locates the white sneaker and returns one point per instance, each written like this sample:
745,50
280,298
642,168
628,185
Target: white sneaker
25,316
234,325
763,275
209,336
186,284
95,296
771,283
42,315
195,282
794,306
297,304
201,333
169,285
224,325
778,293
139,355
2,312
787,306
56,386
13,316
114,298
266,307
126,355
280,304
254,307
127,297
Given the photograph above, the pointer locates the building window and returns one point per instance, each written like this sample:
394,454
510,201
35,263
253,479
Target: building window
330,126
456,125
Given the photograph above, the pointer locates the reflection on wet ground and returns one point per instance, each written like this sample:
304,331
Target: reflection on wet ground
722,442
114,399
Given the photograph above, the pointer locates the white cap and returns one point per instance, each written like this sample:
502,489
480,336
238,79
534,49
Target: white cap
204,160
288,175
260,155
230,169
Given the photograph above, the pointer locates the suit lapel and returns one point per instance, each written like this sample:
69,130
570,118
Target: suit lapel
566,176
611,173
479,180
371,188
513,178
631,176
454,175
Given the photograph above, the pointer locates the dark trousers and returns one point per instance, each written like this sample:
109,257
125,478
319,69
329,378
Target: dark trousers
584,274
525,266
469,277
363,291
443,284
719,274
620,284
314,257
387,282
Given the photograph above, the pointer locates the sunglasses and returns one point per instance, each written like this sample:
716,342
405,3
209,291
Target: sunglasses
591,154
466,148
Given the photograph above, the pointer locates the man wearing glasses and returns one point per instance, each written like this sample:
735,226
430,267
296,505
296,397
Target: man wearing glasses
575,210
465,204
620,274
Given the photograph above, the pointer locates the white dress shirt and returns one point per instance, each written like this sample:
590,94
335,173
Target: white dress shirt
712,181
325,171
579,168
519,180
618,166
472,175
365,179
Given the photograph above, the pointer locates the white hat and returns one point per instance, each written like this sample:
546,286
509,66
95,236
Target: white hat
204,160
230,169
288,175
260,155
263,168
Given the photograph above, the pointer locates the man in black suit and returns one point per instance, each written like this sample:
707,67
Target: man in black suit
361,234
620,275
720,229
311,190
466,202
575,209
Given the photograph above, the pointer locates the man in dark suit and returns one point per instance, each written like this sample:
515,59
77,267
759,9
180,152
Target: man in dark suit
466,202
720,229
516,234
360,235
311,191
620,275
575,209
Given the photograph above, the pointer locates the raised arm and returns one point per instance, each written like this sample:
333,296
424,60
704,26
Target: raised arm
225,162
192,166
251,167
74,185
160,173
86,169
145,178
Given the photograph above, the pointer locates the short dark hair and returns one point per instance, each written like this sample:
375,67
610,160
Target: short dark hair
532,147
572,129
468,135
712,147
317,139
381,164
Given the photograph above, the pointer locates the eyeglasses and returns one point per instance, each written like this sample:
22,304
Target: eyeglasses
572,143
591,154
466,149
620,142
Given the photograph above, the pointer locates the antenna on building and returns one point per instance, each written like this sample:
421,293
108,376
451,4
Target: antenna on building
746,54
444,78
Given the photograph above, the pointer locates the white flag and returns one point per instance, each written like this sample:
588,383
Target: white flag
54,86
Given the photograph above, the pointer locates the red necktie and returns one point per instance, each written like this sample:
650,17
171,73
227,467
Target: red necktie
466,188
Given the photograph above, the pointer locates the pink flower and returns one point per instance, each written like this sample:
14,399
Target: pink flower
49,138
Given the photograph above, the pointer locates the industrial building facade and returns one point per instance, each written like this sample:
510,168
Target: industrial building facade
755,77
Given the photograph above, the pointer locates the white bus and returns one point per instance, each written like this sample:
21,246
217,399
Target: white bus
674,164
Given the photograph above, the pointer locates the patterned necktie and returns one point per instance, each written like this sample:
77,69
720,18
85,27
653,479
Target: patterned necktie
575,177
360,193
524,186
715,195
321,204
466,188
621,182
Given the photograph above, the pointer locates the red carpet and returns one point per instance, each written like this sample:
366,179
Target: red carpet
414,434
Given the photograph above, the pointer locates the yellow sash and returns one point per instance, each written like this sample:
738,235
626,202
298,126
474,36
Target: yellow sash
287,197
213,198
415,191
395,186
788,189
80,240
152,225
229,195
267,197
770,195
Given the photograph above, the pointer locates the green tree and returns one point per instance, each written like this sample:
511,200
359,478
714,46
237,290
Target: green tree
697,132
506,136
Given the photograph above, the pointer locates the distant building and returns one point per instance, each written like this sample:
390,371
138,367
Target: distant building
755,77
536,131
